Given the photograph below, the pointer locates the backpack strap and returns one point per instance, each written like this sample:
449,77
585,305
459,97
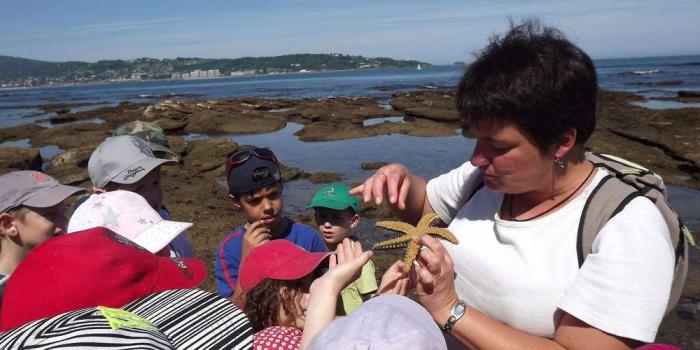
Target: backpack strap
608,198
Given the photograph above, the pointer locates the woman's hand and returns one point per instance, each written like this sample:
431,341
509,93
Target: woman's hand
394,281
435,279
392,181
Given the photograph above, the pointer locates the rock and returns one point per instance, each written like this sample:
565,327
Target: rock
171,125
178,144
323,177
73,135
70,167
248,122
292,173
372,165
19,132
208,155
12,158
63,118
692,94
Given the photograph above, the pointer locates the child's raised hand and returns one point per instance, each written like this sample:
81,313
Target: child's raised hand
395,281
256,234
345,266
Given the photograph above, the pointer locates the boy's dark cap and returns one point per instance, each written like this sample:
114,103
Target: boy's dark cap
253,174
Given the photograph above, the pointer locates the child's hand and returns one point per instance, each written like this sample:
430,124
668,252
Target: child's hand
256,235
344,266
394,281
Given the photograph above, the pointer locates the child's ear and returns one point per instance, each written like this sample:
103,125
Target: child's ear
354,221
7,225
236,201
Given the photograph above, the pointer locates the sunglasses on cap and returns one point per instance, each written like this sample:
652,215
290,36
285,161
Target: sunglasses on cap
242,156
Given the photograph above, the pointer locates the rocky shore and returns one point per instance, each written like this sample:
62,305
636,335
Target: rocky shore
666,141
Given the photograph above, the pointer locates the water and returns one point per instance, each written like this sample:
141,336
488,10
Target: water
650,77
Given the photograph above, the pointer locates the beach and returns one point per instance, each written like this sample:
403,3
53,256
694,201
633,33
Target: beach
332,138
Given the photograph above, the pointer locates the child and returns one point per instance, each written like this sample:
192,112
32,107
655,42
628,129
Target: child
127,163
255,187
285,295
31,211
337,214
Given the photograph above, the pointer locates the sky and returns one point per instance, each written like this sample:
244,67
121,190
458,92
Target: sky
438,32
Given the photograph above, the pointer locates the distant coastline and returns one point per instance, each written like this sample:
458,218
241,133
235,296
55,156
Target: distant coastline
18,72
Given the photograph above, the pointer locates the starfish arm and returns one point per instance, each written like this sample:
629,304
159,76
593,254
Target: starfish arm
397,242
427,220
411,254
396,226
441,233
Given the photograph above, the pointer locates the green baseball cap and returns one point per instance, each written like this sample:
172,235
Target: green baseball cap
149,132
335,196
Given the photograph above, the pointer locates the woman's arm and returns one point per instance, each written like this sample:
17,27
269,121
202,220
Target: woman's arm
436,292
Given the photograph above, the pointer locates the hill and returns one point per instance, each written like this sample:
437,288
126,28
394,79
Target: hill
15,71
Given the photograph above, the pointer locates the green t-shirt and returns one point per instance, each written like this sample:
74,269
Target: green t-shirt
352,294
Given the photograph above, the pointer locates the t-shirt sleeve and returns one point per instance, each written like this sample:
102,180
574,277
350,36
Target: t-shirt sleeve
308,238
228,260
367,283
449,192
624,285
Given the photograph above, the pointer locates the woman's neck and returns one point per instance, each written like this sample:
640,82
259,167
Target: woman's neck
564,187
12,255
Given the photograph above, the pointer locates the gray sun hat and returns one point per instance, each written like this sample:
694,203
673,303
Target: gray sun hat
122,159
382,323
32,189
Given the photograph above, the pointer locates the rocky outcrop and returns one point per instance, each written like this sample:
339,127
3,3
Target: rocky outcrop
12,158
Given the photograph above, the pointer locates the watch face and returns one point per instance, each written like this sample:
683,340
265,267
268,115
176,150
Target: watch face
459,309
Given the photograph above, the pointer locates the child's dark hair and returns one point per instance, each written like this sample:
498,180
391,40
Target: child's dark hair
263,302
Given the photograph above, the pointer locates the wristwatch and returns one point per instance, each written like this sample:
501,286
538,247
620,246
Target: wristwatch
456,313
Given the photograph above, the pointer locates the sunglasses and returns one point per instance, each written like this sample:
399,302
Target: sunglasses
241,157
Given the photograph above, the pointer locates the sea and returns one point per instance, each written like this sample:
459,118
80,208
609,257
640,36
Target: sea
657,78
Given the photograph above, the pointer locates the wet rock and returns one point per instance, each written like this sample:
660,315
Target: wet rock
686,94
247,122
322,177
372,165
171,125
178,144
63,118
12,158
435,105
328,131
292,173
73,135
70,167
208,155
19,132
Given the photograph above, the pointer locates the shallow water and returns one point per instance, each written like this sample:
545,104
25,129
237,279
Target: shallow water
424,156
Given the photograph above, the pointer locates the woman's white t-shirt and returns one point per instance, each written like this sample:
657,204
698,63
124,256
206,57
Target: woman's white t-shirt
521,273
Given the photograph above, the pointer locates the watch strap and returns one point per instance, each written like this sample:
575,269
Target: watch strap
455,315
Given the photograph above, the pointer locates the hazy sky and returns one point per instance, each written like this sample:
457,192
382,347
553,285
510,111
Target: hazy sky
440,32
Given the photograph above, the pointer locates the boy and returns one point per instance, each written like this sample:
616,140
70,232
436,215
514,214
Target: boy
255,187
337,214
127,163
31,211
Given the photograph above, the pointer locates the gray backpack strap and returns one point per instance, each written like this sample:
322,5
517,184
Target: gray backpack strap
626,181
608,198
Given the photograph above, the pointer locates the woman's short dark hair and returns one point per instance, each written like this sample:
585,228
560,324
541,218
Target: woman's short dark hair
534,77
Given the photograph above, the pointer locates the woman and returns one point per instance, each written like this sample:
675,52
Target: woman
513,281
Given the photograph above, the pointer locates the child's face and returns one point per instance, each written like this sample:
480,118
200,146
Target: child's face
148,187
264,204
335,225
39,224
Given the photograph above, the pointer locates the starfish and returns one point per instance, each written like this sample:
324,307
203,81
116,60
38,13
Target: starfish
406,233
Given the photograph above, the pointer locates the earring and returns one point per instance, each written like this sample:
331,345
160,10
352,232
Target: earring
559,163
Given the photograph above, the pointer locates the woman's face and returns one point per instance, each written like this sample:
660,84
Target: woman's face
509,159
